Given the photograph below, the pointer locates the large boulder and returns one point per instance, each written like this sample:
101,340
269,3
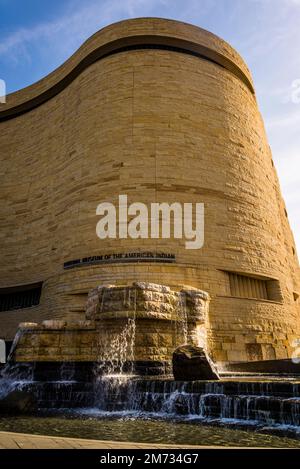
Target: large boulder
191,363
18,401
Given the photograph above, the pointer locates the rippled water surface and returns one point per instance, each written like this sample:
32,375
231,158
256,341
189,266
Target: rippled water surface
87,424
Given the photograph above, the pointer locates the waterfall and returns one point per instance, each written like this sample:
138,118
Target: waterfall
205,400
115,366
14,376
116,351
181,323
116,389
110,384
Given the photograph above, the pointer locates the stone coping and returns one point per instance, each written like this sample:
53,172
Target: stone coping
57,325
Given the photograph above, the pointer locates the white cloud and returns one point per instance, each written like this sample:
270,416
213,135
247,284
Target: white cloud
290,121
287,163
72,28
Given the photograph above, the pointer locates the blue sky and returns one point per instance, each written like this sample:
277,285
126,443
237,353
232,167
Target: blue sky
37,36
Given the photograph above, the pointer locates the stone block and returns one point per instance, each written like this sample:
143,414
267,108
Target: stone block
192,363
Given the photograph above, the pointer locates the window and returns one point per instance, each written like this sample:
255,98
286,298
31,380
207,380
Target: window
20,297
243,286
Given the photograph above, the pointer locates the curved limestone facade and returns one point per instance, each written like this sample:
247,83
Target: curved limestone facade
161,111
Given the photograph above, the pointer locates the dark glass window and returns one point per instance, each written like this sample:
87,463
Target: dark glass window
20,297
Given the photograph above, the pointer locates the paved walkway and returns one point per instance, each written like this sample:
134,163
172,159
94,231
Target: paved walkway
9,440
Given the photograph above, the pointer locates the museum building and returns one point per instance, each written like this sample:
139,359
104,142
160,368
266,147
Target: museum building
163,112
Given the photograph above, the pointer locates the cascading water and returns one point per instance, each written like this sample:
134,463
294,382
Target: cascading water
116,351
263,403
14,377
112,386
272,403
115,367
181,323
112,372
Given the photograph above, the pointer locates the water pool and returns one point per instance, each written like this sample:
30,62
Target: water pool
134,428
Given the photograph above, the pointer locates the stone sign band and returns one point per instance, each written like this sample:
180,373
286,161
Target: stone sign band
122,257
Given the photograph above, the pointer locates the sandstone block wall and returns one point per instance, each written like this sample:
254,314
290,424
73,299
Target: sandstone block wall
143,322
158,124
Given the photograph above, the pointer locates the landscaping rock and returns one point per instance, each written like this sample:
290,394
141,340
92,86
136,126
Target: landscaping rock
191,363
